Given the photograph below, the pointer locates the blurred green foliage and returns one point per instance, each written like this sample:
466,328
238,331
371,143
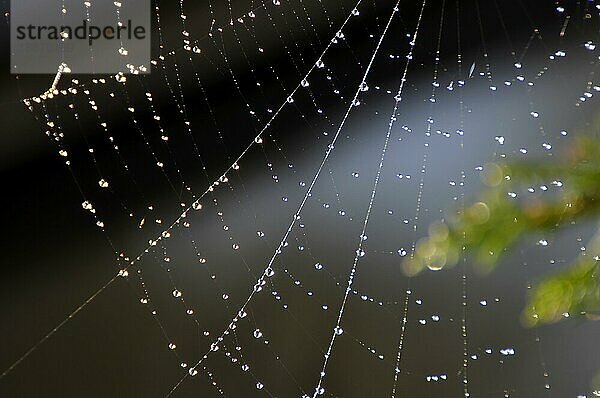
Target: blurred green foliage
505,212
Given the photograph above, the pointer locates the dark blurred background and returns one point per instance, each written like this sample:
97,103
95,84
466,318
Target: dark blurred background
55,256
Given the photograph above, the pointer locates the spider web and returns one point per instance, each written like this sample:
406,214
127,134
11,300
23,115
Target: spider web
274,209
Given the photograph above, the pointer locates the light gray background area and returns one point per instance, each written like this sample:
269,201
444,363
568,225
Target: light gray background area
45,55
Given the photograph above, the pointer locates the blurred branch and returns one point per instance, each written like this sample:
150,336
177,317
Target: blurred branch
489,227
